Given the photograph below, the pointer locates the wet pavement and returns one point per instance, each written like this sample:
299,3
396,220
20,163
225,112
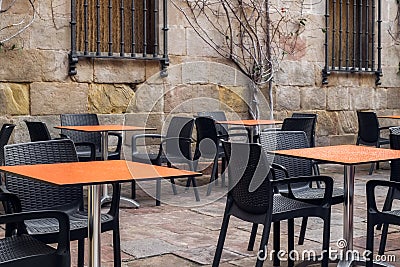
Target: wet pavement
182,232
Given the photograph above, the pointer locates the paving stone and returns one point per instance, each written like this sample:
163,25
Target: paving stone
205,255
147,247
168,260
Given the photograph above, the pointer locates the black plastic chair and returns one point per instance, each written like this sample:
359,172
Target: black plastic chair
313,128
5,134
251,198
208,145
36,195
85,152
393,193
174,148
38,131
18,248
224,131
376,217
304,124
293,167
369,132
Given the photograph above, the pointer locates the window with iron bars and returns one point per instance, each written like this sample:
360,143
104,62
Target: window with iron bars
353,37
118,29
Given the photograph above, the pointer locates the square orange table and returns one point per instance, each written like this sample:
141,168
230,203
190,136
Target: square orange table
251,124
349,156
396,117
104,129
94,174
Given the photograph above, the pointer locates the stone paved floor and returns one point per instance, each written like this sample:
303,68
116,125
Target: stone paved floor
183,232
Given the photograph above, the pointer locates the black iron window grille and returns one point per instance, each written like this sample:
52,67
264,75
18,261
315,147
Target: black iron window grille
353,37
118,29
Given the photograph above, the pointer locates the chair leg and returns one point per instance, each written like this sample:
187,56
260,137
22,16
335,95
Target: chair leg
262,255
173,186
371,169
133,190
325,241
303,230
223,165
221,240
253,235
117,246
277,242
370,244
214,175
387,205
384,234
196,191
81,252
290,242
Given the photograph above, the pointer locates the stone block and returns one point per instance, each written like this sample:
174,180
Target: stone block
361,98
338,98
176,36
222,74
343,79
287,98
233,99
33,65
195,46
348,123
14,99
348,139
112,71
380,98
58,98
179,99
52,37
195,72
327,123
313,98
295,73
153,69
110,98
391,76
393,96
85,72
148,98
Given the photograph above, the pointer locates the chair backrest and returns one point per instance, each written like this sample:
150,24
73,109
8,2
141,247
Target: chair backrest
368,128
179,134
222,129
38,131
314,127
81,120
207,139
36,195
249,177
5,134
305,124
395,144
280,140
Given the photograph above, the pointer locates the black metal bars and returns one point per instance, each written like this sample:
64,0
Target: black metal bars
118,29
350,32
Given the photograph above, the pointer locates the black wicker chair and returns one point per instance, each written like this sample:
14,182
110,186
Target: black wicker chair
393,192
369,132
313,128
208,145
174,148
85,152
38,131
251,198
36,195
304,124
376,217
5,134
20,249
293,167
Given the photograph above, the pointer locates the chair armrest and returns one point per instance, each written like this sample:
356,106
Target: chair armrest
12,200
328,181
16,220
279,167
119,141
141,136
370,188
91,146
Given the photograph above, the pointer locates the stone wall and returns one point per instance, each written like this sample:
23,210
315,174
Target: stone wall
34,83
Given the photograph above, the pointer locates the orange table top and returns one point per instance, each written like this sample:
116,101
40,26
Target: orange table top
251,122
389,116
104,128
95,172
342,154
